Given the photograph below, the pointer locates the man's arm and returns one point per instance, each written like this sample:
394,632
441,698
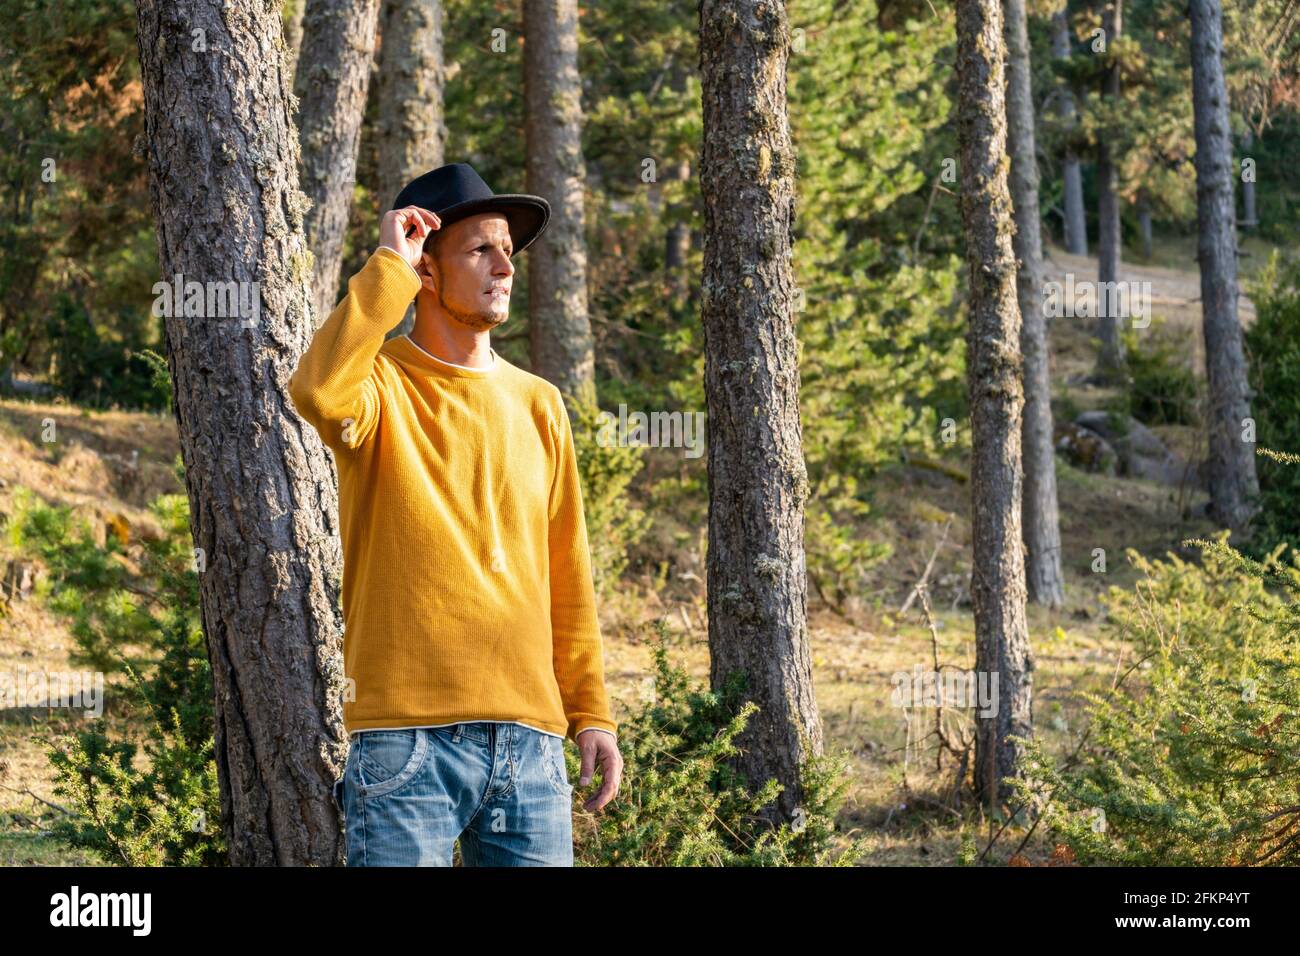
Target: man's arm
335,386
575,631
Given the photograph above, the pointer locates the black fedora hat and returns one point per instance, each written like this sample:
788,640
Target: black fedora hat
456,191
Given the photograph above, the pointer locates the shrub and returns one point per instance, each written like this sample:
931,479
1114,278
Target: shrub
613,525
1194,759
681,804
1273,347
1163,389
169,812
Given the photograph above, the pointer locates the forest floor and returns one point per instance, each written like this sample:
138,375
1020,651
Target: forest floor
110,464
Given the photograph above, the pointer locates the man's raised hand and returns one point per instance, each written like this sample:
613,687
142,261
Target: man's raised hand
397,223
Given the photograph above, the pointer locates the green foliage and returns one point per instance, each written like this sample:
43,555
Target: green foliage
1194,759
94,372
77,246
606,469
882,357
1273,348
1162,387
144,625
683,804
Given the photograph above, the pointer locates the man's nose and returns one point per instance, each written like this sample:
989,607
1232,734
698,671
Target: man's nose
503,264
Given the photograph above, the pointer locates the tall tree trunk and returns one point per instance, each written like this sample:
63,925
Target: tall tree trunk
559,328
223,179
996,400
1250,218
338,45
757,576
677,242
1076,223
1110,359
1233,485
292,15
410,134
1042,524
1144,222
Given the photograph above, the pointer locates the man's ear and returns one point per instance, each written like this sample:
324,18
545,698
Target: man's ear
426,273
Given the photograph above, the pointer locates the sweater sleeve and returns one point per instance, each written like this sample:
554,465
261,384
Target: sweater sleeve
575,630
336,386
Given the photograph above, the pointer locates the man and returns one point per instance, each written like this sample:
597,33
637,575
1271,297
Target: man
471,645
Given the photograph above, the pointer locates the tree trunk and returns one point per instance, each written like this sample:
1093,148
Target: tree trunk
1076,223
410,134
1110,359
223,178
338,45
293,11
994,370
757,577
1042,525
677,242
1233,485
1144,223
559,328
1250,218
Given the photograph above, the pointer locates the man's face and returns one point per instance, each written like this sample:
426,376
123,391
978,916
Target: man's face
471,273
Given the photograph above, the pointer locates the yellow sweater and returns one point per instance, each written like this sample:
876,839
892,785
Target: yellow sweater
467,588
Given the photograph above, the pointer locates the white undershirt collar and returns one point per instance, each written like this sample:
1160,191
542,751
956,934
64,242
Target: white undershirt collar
471,368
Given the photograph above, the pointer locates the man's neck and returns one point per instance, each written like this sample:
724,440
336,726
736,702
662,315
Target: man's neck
454,343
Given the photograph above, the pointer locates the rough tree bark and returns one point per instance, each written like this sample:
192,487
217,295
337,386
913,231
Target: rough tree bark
1233,484
410,134
1042,523
338,45
560,341
1076,224
994,371
757,578
223,177
1110,359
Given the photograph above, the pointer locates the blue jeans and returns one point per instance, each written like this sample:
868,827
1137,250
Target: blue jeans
501,788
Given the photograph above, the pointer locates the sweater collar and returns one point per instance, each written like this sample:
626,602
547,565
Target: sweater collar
425,360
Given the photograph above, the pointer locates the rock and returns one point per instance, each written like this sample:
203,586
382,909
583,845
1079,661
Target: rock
1084,448
1141,452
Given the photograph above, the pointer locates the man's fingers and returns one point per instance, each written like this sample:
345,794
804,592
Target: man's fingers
610,773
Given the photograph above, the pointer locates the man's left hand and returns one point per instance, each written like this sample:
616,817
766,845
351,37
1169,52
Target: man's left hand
598,747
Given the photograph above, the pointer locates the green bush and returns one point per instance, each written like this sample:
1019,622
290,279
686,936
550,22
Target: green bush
681,803
613,525
1273,347
1163,389
168,813
1194,758
92,370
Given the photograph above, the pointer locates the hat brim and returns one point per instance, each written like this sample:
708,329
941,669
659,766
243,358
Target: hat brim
527,215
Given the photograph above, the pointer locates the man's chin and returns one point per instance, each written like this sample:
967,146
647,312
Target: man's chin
482,321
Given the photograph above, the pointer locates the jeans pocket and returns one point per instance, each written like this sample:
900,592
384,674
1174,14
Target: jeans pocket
552,756
388,759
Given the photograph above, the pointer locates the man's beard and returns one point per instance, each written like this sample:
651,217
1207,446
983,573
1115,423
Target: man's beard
482,321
